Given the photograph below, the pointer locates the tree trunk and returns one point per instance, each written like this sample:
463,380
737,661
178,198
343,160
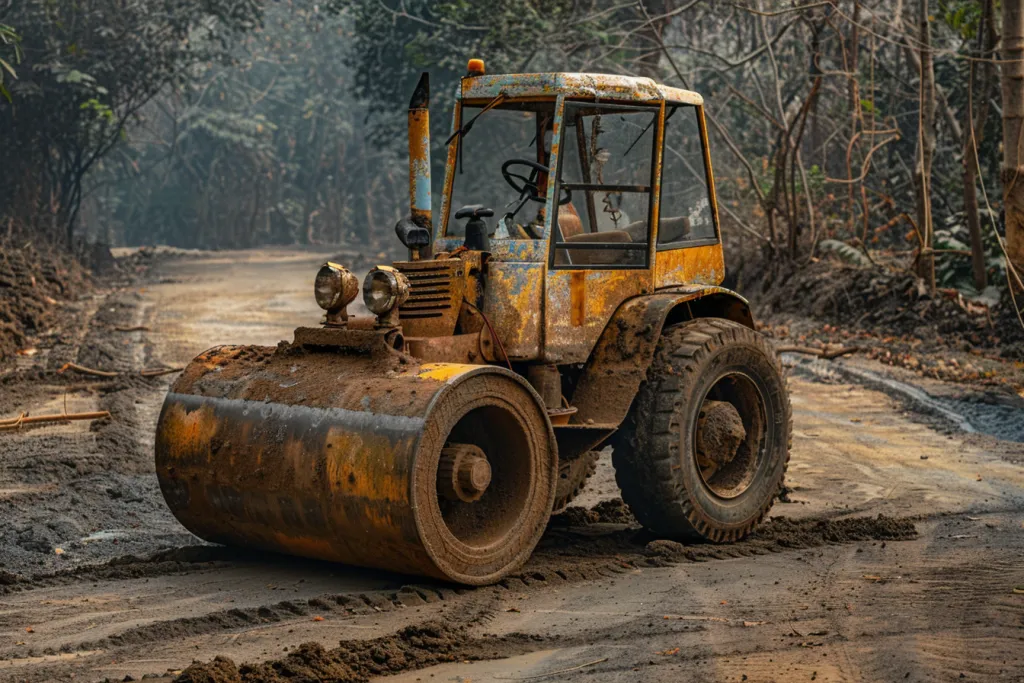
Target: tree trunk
853,68
1013,119
925,150
974,124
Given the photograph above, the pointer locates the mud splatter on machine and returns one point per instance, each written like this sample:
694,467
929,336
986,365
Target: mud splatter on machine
568,297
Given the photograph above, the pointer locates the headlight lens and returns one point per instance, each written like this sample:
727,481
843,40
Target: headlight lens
384,289
335,287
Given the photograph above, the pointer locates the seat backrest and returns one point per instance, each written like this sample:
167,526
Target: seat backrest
569,223
595,257
673,229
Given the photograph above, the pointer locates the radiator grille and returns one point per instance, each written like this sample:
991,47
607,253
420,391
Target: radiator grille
435,296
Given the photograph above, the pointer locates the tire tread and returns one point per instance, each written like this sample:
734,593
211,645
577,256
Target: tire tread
645,452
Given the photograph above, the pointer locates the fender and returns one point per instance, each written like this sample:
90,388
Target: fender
620,359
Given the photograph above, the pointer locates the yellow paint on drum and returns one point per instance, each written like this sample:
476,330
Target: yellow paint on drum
441,372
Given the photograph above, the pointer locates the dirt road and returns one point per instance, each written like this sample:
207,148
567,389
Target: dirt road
933,590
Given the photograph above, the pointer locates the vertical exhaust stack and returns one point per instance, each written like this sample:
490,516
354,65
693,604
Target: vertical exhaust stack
419,154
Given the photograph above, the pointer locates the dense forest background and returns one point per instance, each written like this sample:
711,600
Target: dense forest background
844,126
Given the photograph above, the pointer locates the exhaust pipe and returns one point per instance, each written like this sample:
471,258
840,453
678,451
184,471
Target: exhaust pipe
419,154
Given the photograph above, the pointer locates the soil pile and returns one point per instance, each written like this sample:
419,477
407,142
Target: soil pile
414,647
606,512
889,302
33,286
890,316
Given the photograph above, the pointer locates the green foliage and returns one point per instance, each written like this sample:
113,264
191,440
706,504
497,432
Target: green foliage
845,252
962,16
954,269
10,41
394,40
270,147
88,67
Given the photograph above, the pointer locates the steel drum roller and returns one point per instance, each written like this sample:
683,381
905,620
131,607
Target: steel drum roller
359,459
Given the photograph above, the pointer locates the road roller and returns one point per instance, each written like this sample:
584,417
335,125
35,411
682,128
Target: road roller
565,296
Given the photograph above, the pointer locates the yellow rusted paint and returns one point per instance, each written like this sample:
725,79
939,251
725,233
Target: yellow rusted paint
704,265
332,452
192,430
441,372
513,302
597,86
656,184
703,126
565,342
419,154
352,456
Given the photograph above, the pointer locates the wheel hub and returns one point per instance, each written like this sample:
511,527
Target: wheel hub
463,473
720,432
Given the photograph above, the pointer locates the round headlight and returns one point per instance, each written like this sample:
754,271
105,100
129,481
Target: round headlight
383,289
335,287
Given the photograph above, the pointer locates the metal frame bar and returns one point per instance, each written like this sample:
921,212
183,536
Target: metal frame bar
607,188
709,179
555,189
620,246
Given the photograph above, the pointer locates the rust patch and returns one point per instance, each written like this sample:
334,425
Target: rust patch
570,338
704,265
513,302
577,297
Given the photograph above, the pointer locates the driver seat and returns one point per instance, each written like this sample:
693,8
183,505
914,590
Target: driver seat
569,222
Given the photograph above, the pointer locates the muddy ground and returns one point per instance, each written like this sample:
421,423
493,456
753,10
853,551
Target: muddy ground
895,556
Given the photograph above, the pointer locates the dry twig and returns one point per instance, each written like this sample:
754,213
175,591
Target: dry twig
86,371
150,372
160,372
22,420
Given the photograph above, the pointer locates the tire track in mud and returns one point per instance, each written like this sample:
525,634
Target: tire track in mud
72,483
567,555
435,641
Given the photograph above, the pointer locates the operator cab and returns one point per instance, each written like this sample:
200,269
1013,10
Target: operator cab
607,159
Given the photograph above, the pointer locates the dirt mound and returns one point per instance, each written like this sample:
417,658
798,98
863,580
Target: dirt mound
565,550
614,512
414,647
574,516
33,286
220,670
890,303
607,512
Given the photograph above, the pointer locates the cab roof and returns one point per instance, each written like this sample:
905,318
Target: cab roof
598,86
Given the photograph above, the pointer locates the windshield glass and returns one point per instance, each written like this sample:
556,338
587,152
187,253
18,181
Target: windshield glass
512,131
606,166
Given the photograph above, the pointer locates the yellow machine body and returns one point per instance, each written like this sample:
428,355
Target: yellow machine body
335,446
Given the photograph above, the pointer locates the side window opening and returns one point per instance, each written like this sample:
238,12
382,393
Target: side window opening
685,216
607,154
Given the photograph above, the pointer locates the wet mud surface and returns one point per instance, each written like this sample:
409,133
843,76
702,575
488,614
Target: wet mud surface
895,550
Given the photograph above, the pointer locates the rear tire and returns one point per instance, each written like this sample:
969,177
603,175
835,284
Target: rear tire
673,487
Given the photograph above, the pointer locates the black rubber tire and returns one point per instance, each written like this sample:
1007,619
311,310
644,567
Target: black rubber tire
653,451
572,478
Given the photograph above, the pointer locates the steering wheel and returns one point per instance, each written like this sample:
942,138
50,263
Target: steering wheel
527,185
